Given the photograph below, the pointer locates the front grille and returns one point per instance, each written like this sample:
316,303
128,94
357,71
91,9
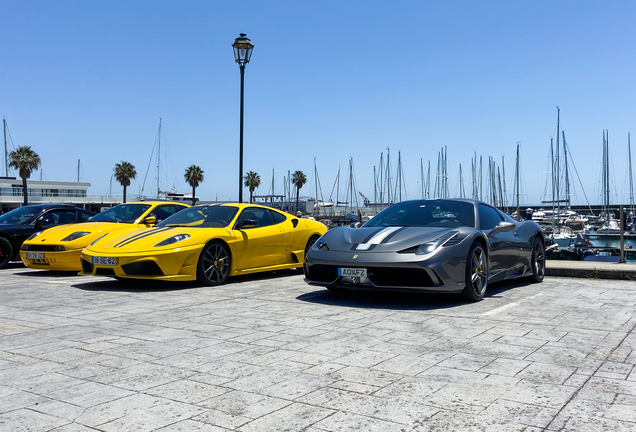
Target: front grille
142,268
86,266
104,271
40,248
322,273
379,276
405,277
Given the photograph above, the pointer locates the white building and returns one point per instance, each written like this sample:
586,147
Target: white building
40,192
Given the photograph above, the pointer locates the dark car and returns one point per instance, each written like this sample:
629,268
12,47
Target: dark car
17,225
443,245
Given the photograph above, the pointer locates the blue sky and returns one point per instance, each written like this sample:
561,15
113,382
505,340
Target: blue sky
328,80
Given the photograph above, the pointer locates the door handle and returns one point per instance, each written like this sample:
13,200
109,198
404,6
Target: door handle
515,234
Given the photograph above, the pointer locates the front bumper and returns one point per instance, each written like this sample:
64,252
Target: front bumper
179,264
441,272
57,261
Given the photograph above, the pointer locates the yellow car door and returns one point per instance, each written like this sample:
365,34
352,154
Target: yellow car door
258,245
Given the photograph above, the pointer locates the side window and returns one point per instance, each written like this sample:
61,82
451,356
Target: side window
277,217
488,217
258,214
84,216
165,211
60,217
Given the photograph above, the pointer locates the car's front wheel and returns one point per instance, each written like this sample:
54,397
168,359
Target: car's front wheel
6,252
537,261
214,264
476,273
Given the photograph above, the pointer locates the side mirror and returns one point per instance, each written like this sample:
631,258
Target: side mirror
502,227
43,222
150,220
247,223
356,225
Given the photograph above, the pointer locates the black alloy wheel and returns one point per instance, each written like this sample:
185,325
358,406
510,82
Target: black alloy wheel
537,261
214,264
6,252
476,273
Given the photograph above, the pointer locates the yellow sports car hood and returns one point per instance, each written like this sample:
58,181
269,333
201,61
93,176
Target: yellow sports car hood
139,240
76,236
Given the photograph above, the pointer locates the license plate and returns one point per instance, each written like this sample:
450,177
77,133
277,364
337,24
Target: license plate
357,272
35,255
107,261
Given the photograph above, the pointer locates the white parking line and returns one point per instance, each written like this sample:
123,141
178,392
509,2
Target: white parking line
508,306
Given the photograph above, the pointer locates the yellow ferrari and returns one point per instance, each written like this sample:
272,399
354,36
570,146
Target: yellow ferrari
60,248
207,243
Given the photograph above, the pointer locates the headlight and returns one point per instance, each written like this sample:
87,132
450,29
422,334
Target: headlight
320,245
174,239
34,235
75,235
98,239
427,248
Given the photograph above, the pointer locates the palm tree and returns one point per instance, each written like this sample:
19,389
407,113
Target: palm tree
252,181
124,172
193,175
298,179
25,161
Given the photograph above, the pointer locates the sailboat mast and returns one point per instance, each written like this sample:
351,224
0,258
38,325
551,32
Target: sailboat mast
567,173
503,171
553,174
159,160
558,169
517,181
428,181
422,176
631,179
607,179
78,170
461,182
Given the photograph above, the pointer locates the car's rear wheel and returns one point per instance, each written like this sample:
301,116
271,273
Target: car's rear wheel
476,273
6,252
537,261
214,264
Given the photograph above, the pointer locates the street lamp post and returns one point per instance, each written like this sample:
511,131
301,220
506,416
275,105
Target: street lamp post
242,53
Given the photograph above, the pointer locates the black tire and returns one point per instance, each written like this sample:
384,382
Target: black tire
6,252
214,264
476,273
537,261
310,243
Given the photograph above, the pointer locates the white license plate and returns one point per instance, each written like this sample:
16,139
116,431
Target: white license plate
357,272
108,261
35,255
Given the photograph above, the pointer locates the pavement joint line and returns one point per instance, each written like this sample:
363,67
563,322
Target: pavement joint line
580,387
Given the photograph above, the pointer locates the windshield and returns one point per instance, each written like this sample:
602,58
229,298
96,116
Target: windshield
202,217
123,213
20,215
426,213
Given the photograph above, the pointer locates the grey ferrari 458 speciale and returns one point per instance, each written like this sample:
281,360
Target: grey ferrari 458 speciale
441,245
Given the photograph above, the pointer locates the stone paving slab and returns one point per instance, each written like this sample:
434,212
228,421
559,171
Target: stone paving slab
270,353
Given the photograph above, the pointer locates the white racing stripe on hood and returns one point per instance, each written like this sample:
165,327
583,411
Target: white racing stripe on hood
377,239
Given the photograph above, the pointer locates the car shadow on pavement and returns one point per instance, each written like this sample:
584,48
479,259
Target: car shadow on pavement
147,285
369,299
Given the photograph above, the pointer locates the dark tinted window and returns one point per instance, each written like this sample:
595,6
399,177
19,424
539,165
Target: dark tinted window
505,216
20,215
488,217
84,216
277,217
165,211
59,217
260,215
125,213
426,213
